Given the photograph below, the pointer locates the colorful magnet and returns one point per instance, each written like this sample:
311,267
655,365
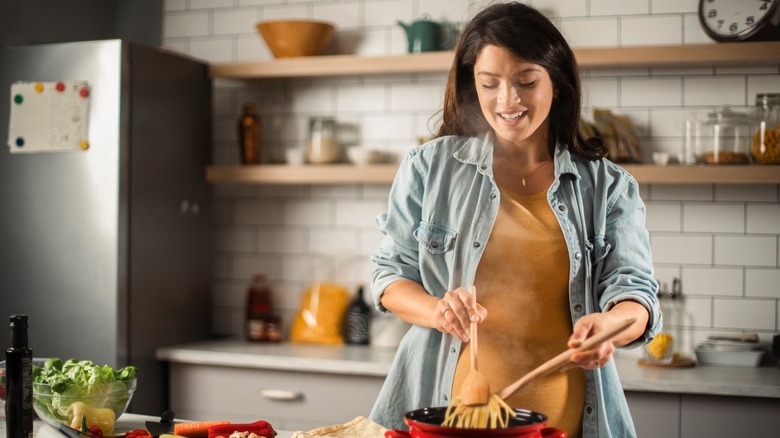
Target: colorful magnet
19,141
84,92
18,99
60,87
83,145
39,87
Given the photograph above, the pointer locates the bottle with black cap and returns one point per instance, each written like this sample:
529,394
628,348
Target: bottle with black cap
18,375
357,321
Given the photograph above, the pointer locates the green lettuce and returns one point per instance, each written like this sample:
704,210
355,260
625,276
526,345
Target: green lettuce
75,380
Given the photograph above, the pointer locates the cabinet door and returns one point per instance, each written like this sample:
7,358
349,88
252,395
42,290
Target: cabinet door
655,415
170,258
237,395
723,416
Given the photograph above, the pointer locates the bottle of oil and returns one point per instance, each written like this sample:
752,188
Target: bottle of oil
18,374
250,134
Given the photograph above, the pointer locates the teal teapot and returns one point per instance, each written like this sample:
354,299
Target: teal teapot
425,35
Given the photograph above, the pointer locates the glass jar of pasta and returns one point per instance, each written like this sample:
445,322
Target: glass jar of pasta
766,140
725,137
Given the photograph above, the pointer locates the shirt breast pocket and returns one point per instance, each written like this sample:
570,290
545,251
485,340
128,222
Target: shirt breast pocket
437,239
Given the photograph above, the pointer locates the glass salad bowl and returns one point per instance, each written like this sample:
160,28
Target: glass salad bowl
83,390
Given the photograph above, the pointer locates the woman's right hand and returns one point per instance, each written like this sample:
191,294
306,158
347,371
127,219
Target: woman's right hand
454,313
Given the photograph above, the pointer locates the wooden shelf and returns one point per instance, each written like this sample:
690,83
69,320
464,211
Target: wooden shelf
335,65
384,174
750,53
306,174
705,174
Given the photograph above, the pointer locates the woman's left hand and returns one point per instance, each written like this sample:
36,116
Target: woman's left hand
586,327
589,325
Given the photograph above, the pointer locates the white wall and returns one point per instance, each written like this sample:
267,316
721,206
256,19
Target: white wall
721,240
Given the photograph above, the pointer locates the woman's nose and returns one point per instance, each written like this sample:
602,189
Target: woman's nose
508,94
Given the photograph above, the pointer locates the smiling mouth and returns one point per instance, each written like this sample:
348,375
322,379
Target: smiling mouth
511,116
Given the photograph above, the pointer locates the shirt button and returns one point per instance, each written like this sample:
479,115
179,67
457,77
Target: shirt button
562,208
589,409
577,255
476,245
483,166
452,350
434,245
493,196
446,398
578,308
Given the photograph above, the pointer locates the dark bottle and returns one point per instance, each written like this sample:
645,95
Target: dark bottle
357,321
259,306
18,375
250,134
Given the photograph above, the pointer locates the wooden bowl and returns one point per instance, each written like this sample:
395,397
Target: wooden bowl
292,38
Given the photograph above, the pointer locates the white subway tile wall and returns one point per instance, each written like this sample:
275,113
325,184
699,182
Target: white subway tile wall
721,241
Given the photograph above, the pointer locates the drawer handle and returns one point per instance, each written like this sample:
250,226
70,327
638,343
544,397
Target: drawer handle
279,394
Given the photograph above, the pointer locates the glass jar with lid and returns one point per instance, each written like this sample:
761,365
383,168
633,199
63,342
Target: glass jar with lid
726,137
766,139
323,145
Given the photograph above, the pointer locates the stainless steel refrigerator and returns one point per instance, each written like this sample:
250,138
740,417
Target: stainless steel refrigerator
108,249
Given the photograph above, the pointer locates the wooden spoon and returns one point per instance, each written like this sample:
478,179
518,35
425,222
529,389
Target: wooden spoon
562,359
476,388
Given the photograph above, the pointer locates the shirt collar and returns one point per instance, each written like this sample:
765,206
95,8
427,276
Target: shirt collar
479,152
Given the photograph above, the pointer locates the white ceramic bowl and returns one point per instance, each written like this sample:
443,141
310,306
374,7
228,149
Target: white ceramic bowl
661,158
362,156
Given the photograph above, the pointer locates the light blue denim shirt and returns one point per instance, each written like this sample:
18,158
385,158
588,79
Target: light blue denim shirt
441,210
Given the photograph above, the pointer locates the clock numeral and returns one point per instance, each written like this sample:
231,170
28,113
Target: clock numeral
765,6
712,13
750,20
734,27
720,24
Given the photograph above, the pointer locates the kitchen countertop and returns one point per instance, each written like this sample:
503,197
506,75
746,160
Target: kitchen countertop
125,423
376,361
330,359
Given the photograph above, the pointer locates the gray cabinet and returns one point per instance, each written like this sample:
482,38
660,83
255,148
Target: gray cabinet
669,415
656,415
289,400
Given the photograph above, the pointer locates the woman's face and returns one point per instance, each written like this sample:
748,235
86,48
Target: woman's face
515,95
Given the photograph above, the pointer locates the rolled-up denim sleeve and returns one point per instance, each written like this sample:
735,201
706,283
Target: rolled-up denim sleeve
627,273
397,257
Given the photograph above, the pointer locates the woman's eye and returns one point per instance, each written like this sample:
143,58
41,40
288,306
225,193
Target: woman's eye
526,84
490,86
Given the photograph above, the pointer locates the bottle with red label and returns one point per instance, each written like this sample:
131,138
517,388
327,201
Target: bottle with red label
261,323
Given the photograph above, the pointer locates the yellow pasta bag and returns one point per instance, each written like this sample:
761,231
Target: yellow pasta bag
320,316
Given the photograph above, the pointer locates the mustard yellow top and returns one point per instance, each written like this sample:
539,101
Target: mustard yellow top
522,280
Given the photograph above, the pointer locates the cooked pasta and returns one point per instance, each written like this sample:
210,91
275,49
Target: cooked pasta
493,415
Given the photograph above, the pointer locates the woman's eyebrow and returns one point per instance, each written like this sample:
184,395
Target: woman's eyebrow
521,72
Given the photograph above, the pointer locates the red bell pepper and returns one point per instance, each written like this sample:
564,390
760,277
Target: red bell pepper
138,433
92,431
260,428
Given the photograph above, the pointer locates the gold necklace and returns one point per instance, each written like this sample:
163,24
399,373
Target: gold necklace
532,172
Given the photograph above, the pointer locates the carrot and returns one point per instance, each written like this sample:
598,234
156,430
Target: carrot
197,429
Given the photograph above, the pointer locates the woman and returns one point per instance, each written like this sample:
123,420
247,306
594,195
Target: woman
512,199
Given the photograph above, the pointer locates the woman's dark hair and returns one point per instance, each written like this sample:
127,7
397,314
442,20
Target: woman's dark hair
529,35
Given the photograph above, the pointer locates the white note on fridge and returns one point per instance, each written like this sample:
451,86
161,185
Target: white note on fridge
49,116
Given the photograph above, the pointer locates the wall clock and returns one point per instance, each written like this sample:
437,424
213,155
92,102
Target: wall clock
741,20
